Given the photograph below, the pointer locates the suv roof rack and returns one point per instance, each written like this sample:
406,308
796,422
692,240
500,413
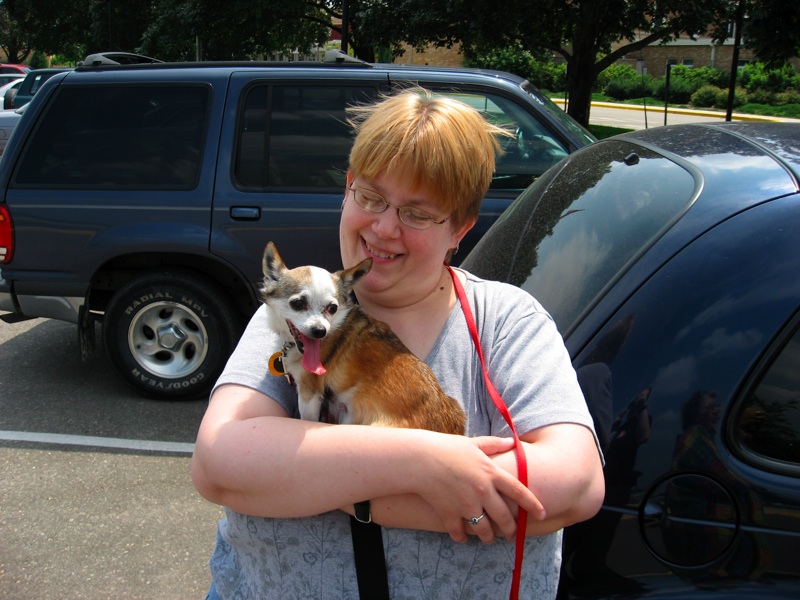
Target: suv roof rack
104,59
337,56
116,58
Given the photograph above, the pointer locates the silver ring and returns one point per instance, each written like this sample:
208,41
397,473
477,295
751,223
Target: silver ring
475,520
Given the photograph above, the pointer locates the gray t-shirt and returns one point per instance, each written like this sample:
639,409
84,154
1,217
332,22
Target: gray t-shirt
312,557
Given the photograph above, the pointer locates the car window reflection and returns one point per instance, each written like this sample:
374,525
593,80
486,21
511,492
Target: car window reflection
606,212
768,423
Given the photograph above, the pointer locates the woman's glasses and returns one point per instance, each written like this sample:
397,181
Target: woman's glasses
375,203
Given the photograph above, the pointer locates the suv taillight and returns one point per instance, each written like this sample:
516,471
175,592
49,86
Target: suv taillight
6,236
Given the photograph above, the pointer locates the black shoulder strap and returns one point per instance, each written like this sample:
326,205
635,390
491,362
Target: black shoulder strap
370,561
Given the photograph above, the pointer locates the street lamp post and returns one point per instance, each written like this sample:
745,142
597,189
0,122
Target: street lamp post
345,26
737,40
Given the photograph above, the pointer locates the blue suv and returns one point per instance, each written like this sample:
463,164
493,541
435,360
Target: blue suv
142,196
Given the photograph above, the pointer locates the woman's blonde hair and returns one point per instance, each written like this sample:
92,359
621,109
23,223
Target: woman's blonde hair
435,143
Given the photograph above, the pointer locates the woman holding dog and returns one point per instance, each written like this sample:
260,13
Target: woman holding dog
447,504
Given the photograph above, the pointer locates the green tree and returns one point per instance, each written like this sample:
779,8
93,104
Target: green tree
171,29
14,42
589,34
38,60
235,30
772,30
51,25
116,25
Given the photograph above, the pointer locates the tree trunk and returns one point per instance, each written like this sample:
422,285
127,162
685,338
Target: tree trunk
365,53
15,53
581,67
580,78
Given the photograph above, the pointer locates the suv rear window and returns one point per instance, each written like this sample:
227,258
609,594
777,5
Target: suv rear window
120,137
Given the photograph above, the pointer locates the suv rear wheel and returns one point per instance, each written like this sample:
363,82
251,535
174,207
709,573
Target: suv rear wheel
170,334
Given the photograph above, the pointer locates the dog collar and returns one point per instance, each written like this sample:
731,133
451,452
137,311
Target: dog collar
275,364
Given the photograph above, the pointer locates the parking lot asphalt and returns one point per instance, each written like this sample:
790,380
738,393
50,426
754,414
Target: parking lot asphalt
82,523
96,501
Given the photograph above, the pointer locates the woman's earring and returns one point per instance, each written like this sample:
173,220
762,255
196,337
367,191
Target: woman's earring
450,254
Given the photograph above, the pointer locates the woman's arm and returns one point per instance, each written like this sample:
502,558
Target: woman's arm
564,472
251,457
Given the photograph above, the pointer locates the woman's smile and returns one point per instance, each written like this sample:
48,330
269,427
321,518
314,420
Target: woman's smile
375,252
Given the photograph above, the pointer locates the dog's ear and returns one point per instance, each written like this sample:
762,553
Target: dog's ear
272,265
350,277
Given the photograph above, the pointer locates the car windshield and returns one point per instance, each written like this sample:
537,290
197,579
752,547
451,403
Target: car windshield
579,227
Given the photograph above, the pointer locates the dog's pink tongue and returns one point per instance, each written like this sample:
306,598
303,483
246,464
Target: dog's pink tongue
311,361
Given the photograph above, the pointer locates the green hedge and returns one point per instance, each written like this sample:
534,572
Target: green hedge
710,96
680,90
698,86
623,88
705,97
755,76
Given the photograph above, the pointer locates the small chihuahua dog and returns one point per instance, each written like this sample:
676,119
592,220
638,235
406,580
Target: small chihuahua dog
346,364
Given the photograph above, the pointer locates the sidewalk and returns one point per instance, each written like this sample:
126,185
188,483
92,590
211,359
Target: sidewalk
655,109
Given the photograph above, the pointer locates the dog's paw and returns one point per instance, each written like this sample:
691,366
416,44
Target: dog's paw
310,410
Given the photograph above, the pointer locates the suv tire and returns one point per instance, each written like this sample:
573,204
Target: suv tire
169,334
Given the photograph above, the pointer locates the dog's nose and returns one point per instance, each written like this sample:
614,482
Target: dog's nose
318,332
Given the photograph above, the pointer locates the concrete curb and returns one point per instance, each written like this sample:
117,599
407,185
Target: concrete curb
655,109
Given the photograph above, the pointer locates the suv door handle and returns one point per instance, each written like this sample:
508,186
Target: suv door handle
245,213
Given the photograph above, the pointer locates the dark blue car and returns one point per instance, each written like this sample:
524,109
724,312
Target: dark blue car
670,260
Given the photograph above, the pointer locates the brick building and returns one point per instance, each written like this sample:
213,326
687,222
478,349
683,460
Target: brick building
652,60
441,57
701,52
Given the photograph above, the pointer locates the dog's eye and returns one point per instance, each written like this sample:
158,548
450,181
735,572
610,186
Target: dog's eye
332,308
298,304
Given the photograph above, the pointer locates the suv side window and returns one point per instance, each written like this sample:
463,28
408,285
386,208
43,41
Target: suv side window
530,149
37,82
768,423
294,136
118,137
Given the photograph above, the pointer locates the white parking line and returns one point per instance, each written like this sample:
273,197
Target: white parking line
96,442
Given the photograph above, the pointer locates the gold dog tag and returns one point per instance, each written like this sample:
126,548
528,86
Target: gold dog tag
276,364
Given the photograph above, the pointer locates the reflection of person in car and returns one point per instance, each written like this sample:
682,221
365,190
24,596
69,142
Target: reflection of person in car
586,547
699,497
695,447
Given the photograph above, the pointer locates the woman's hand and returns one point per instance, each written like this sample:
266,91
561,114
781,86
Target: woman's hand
461,481
557,497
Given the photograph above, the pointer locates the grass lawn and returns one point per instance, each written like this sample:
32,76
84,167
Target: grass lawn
791,111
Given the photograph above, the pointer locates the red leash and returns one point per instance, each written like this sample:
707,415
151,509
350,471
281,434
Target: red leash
522,463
